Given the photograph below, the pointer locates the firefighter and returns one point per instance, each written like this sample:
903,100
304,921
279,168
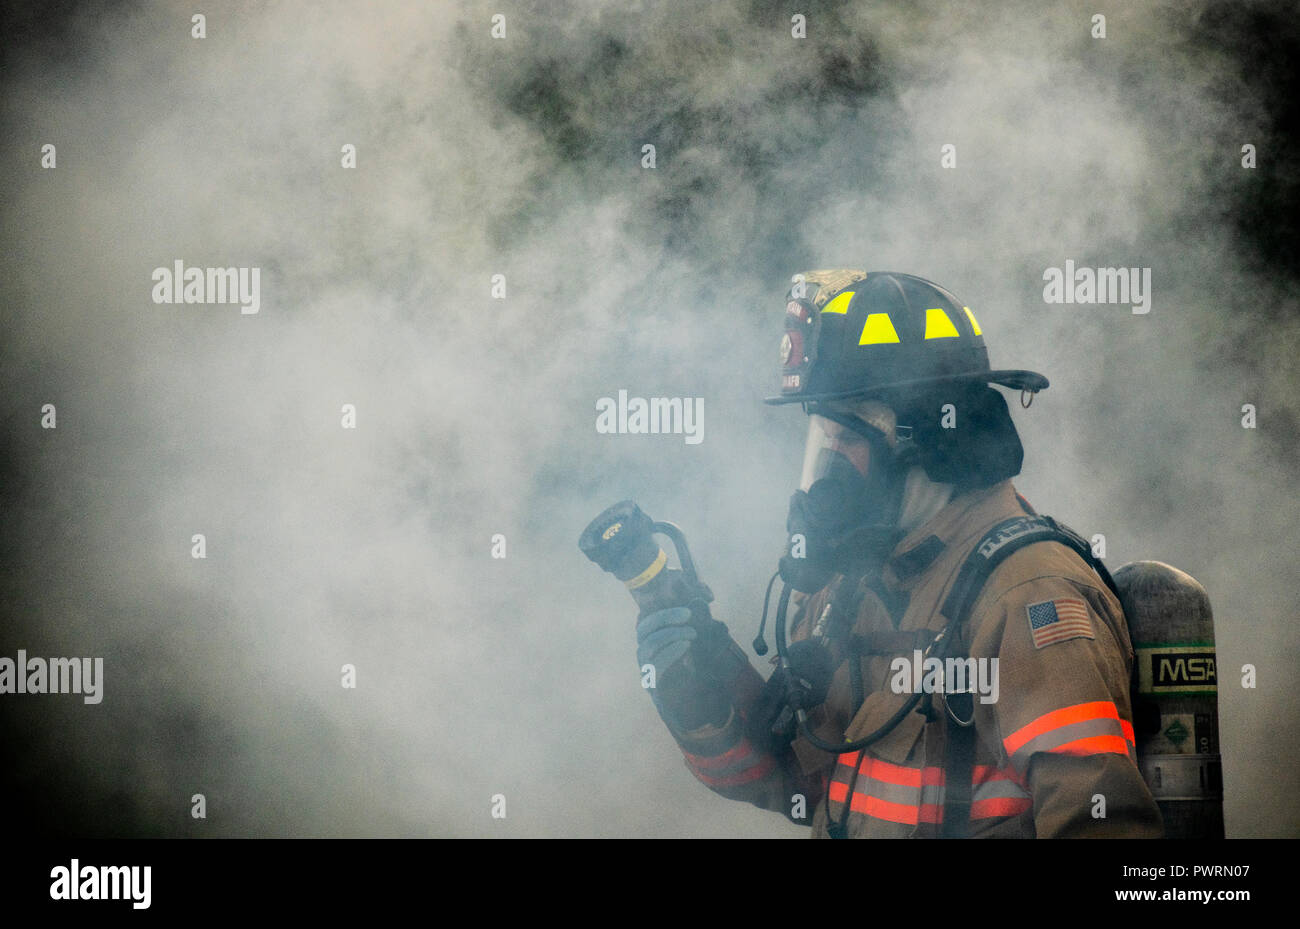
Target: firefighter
865,729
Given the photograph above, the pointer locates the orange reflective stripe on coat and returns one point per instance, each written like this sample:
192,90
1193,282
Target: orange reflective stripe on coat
739,765
1083,729
899,794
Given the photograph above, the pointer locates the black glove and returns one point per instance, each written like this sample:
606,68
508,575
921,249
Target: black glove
682,647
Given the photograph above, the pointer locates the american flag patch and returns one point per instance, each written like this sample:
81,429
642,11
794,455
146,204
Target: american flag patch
1055,621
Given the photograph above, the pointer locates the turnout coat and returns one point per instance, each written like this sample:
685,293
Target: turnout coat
1054,751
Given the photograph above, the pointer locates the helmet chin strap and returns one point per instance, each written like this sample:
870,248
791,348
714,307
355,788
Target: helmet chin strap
922,499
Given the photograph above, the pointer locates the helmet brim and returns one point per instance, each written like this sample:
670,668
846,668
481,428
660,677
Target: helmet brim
1014,378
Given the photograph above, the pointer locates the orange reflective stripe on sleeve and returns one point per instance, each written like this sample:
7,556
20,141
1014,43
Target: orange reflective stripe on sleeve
1082,729
1057,718
1094,745
740,751
748,776
738,765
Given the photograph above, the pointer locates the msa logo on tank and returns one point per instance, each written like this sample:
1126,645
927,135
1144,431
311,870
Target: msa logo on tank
1167,669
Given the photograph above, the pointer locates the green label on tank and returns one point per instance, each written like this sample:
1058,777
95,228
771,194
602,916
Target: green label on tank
1177,733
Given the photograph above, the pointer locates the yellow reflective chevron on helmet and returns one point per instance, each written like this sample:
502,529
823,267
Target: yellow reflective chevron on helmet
938,325
878,328
975,327
840,304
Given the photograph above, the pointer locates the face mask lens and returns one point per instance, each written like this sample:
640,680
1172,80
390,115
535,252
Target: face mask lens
830,446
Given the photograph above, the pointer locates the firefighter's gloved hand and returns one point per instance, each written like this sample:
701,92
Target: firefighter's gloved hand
663,638
684,697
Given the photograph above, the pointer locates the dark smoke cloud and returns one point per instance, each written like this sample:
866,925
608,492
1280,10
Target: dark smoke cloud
521,156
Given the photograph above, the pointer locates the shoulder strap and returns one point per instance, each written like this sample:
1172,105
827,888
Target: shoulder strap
1004,539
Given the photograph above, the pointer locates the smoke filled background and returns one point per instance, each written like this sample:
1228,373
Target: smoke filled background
522,156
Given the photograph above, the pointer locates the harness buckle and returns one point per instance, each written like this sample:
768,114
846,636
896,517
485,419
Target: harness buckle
969,696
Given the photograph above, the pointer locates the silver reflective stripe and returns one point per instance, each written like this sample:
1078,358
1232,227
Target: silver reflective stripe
891,793
1055,738
746,760
999,789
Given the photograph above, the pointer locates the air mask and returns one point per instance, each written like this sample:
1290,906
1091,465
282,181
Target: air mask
845,512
